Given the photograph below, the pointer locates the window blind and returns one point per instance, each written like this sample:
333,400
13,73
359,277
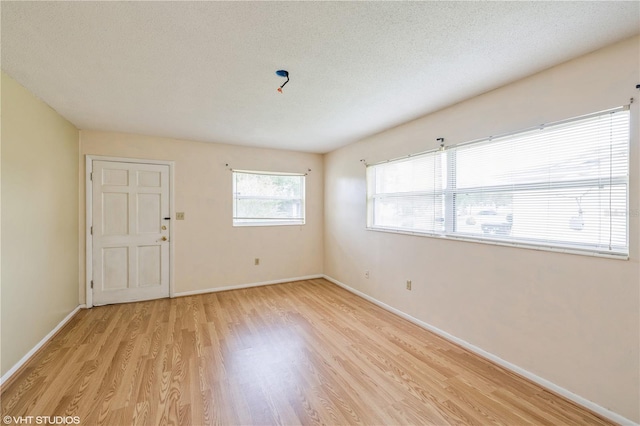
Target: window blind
561,185
261,198
408,194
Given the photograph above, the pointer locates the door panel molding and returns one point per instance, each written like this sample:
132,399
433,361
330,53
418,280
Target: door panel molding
148,180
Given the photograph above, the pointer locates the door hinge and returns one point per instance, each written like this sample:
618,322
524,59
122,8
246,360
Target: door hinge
91,176
91,284
92,230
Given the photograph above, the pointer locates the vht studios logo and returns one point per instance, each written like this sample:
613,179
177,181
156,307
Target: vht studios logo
41,420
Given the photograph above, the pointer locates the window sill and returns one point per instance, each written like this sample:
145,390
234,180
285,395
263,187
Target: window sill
253,224
497,242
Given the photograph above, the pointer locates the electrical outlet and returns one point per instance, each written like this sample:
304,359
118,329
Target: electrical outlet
408,284
366,274
179,215
256,261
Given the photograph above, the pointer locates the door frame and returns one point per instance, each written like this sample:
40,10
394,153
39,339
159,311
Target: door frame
89,159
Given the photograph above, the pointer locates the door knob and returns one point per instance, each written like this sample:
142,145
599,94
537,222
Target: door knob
164,238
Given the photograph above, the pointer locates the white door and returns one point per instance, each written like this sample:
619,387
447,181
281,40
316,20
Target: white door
130,208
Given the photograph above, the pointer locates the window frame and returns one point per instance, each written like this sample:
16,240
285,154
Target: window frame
431,193
264,221
450,193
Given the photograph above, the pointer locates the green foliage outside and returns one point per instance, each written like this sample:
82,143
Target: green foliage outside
268,196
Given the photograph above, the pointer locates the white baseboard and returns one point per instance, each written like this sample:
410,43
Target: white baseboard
239,286
501,362
40,344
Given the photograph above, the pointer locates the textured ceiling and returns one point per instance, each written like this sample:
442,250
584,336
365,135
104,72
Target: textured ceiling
206,70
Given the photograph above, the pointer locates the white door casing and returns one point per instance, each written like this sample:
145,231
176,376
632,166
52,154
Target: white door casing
130,250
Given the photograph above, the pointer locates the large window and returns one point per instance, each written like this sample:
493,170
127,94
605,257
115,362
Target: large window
263,198
563,185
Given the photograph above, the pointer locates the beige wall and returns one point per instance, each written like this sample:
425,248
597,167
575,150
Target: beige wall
570,319
39,220
209,252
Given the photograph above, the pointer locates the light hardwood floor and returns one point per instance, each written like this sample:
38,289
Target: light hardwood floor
306,352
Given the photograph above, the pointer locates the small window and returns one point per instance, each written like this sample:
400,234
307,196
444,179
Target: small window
408,195
264,198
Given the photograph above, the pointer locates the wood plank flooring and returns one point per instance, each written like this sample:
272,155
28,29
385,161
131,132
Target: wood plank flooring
306,352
